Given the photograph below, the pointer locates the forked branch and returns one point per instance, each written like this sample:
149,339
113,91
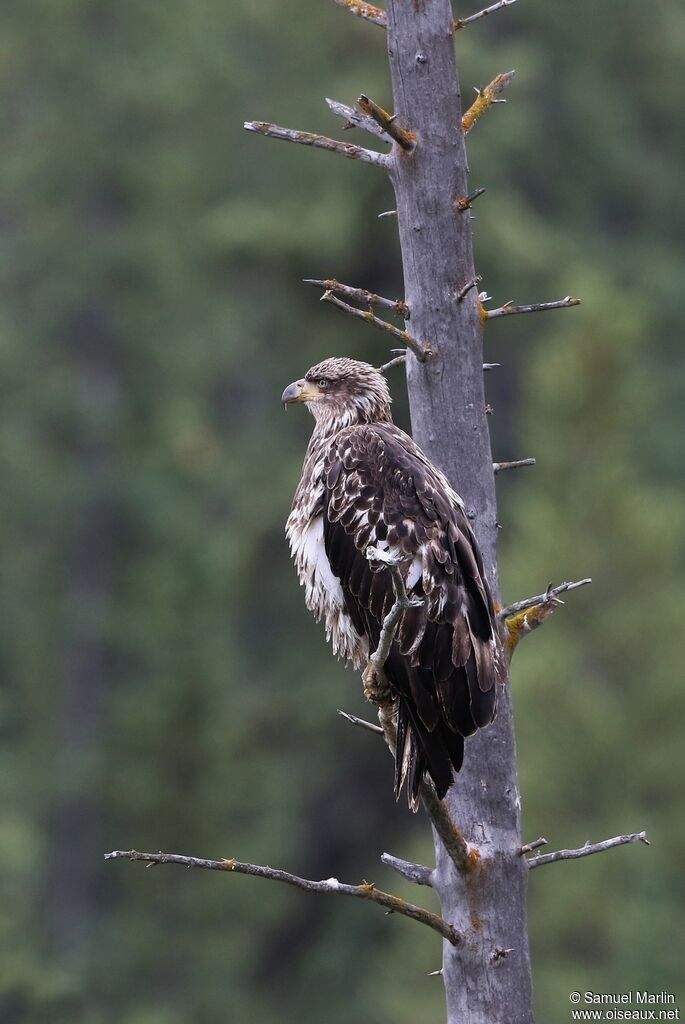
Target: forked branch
522,617
365,891
274,131
588,849
361,295
485,99
417,348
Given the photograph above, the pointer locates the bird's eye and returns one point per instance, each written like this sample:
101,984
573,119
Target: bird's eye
323,383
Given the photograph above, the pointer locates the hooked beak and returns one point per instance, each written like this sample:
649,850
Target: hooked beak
299,391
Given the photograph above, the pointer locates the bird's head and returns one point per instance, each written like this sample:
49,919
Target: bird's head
340,392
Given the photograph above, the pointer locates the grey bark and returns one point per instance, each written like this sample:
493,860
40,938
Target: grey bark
488,979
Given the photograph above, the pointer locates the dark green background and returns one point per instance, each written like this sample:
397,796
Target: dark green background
163,685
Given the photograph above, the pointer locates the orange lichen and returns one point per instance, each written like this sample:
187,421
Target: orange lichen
486,97
363,10
518,626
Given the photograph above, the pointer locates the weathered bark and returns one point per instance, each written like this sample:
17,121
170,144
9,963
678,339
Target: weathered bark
487,979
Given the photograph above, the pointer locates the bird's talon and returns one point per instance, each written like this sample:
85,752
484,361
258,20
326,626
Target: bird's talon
377,690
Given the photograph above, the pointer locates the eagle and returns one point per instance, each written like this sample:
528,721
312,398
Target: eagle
366,485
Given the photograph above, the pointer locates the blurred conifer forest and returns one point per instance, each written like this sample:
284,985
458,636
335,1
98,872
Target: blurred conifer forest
163,686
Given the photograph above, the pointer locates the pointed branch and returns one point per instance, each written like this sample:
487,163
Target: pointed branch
523,617
353,119
490,366
461,22
361,722
365,891
387,123
387,214
361,295
486,97
274,131
417,873
464,202
367,11
500,467
588,849
463,292
537,307
397,361
419,351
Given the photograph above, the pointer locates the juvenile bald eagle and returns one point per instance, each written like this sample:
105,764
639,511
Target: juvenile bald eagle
366,483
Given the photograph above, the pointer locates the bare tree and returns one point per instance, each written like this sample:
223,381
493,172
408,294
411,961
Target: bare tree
481,868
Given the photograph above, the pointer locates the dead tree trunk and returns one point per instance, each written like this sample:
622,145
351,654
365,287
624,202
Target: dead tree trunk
488,978
481,869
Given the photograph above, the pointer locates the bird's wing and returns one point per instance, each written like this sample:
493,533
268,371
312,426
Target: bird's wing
381,491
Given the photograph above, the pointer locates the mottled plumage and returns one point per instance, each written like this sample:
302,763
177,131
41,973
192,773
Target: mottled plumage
366,483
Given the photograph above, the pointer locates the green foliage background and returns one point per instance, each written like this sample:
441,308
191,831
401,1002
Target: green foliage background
163,686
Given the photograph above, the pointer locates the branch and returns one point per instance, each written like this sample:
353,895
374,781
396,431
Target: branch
363,10
537,307
417,348
361,722
365,891
387,214
353,119
529,847
463,856
490,366
464,202
361,295
397,361
486,97
588,849
550,595
274,131
461,22
418,873
500,467
387,122
523,617
463,292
